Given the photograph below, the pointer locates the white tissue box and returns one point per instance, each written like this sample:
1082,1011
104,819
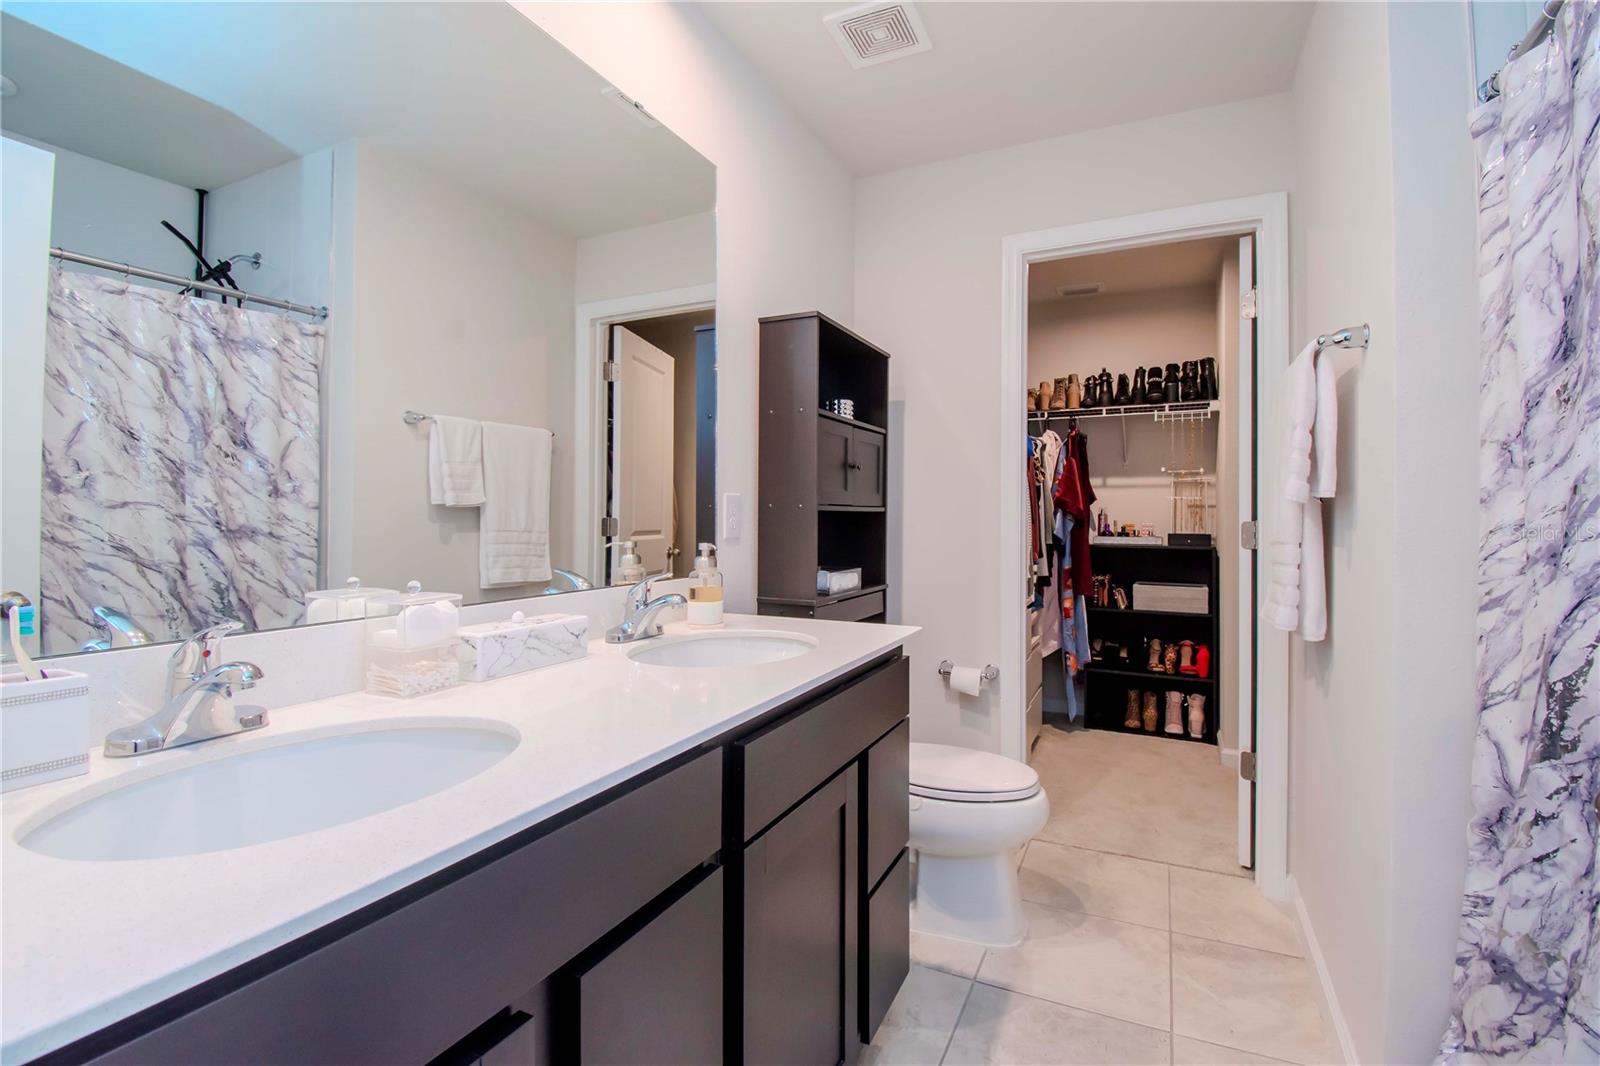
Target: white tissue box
44,728
500,649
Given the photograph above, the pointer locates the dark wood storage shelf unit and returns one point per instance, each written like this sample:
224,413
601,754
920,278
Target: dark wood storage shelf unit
822,477
1108,679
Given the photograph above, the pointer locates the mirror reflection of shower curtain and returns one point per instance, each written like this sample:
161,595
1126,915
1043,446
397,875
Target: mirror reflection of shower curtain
181,461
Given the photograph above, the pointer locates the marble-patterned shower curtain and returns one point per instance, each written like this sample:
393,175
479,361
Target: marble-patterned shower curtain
1527,979
182,460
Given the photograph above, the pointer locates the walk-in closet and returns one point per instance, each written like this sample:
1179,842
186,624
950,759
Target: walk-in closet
1132,481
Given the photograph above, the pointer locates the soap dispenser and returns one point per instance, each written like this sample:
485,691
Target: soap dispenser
705,589
630,569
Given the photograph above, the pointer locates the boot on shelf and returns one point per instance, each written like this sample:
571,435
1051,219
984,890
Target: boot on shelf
1175,713
1197,717
1150,715
1106,386
1209,388
1155,655
1154,392
1058,395
1033,400
1137,395
1130,720
1123,393
1074,393
1172,384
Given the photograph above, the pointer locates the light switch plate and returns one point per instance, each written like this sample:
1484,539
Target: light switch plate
732,517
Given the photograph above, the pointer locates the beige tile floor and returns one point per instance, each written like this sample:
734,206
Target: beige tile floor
1145,945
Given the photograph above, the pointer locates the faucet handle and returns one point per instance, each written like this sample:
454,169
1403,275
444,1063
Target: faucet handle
639,593
193,655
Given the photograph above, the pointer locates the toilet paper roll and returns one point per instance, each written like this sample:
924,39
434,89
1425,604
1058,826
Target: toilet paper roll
967,680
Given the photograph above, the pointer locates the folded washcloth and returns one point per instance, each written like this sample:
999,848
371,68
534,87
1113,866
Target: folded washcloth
455,462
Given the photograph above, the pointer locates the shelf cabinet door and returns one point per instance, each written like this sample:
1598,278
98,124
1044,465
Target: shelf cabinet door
865,468
800,926
833,464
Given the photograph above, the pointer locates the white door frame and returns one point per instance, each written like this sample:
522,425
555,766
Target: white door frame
1267,217
594,322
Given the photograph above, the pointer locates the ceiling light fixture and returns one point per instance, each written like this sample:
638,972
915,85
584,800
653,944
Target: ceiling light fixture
874,33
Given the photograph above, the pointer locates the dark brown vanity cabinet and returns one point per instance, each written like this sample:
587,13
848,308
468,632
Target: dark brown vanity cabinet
732,905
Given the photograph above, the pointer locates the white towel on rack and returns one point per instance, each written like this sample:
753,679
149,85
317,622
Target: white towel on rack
455,461
1297,593
514,530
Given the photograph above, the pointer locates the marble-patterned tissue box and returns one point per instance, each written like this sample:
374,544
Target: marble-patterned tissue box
500,649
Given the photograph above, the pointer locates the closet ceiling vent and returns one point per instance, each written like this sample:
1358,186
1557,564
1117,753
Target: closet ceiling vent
875,33
1085,288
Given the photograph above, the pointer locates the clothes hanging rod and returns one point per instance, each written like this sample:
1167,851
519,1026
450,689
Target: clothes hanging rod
175,279
416,418
1349,337
1491,86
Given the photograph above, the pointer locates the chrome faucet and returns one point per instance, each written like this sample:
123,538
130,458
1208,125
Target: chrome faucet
199,699
639,613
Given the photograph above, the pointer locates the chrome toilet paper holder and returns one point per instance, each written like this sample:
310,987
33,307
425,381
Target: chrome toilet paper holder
990,672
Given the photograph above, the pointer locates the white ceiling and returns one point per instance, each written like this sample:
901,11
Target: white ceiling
474,92
1005,73
1162,266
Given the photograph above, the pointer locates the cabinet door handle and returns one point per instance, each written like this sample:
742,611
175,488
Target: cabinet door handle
854,466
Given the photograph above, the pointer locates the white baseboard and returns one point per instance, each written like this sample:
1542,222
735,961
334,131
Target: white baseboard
1330,998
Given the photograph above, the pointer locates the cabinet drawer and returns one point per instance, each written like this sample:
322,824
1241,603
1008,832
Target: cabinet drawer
439,965
887,809
785,760
852,610
887,956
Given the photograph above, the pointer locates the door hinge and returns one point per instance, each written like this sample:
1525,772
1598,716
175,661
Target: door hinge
1247,304
1247,765
609,371
1249,535
608,526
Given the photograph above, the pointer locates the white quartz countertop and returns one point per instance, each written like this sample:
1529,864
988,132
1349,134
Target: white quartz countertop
84,944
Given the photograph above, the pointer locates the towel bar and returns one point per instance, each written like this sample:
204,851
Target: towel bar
416,418
1349,337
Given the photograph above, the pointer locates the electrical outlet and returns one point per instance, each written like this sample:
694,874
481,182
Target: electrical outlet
732,517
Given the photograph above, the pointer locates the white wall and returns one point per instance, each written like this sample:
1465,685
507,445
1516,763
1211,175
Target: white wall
26,180
1342,702
450,303
286,214
928,291
677,254
112,212
1383,711
784,204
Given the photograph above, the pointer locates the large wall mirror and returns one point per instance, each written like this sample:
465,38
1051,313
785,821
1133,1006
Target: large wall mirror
300,294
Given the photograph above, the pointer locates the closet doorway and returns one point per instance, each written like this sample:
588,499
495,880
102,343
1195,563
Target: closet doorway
1138,348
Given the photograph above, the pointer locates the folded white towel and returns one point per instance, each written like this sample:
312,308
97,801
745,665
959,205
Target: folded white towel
1297,594
514,532
455,461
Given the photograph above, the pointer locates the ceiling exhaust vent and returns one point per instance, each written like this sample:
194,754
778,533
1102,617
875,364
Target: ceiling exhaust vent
1087,288
875,33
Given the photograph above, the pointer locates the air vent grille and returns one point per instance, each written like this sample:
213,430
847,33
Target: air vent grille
876,33
1086,288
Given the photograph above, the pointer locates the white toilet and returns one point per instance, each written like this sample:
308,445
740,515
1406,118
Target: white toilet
970,812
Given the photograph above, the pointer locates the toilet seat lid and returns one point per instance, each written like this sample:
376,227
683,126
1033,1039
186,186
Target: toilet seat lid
943,771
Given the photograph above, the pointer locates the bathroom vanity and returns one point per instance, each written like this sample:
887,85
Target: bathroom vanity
673,864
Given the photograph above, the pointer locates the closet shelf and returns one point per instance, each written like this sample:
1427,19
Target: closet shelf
1132,410
1118,727
1150,678
856,422
1134,612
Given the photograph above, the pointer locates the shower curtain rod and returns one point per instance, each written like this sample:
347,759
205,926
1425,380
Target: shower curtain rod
174,279
1490,88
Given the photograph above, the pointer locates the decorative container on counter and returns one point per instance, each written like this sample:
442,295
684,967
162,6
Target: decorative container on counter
412,642
44,728
500,649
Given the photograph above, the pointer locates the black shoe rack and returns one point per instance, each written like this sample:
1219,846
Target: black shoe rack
1110,677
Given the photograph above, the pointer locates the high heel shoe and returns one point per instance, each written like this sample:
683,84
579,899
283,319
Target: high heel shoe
1202,661
1175,713
1151,717
1169,659
1186,657
1130,720
1155,655
1197,716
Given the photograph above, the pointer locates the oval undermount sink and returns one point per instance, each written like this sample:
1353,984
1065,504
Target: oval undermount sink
722,649
270,791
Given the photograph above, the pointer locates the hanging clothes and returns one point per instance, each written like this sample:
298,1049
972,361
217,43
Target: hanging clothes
1047,621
